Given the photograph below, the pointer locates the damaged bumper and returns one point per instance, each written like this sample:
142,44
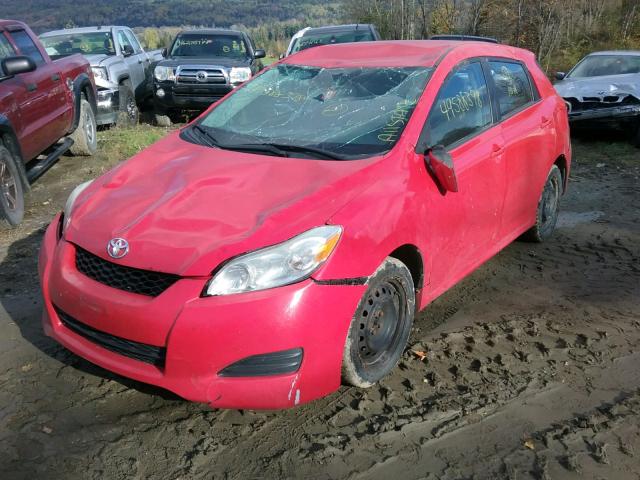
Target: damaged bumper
108,102
260,350
624,112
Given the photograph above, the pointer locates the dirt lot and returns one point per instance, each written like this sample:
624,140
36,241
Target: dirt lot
531,369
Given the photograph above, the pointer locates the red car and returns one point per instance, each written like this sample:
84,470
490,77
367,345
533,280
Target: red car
283,241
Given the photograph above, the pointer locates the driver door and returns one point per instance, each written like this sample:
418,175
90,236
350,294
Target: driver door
463,226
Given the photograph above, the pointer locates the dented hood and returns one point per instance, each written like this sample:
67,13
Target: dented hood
185,208
628,84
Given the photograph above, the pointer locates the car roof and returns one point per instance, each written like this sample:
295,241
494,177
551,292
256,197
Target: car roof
5,23
616,52
337,28
396,53
210,31
67,31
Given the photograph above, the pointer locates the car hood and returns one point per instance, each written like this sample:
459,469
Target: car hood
628,84
186,208
100,60
206,61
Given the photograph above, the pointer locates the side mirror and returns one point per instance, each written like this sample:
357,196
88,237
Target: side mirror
17,65
560,75
259,53
127,50
440,165
164,52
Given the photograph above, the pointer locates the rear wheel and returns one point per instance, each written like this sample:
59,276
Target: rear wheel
11,190
129,115
381,325
548,208
85,139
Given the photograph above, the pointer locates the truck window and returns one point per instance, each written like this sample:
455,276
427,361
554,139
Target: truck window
6,50
134,41
26,46
462,107
123,40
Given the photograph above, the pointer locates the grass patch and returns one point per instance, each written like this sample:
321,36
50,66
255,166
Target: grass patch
269,60
117,144
612,148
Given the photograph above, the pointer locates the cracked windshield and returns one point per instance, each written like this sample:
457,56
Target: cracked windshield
338,112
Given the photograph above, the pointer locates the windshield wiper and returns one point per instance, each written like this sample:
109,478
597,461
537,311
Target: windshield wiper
204,136
282,149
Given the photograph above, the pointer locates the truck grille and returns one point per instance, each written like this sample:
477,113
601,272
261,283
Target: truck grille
134,280
194,75
128,348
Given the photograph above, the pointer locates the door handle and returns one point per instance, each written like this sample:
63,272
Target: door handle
55,77
31,87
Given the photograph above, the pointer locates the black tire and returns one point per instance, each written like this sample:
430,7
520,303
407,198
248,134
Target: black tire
548,208
635,140
11,190
85,138
129,115
381,325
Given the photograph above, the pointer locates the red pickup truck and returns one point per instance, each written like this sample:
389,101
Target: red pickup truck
46,109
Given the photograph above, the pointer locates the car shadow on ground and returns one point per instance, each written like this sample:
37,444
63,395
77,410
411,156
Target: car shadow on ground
20,297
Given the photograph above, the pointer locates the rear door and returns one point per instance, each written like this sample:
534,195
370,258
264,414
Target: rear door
44,107
527,129
135,63
464,225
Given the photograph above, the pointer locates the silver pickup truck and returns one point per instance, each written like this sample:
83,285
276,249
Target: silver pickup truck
121,67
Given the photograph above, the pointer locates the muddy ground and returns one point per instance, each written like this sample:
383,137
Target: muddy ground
532,370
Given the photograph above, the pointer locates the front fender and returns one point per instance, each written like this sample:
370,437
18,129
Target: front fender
82,84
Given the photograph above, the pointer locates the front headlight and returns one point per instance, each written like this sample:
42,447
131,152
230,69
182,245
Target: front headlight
100,72
239,74
164,74
282,264
68,207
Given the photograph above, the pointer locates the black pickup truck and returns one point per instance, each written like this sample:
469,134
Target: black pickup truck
200,67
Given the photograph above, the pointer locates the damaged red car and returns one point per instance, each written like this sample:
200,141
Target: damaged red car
282,242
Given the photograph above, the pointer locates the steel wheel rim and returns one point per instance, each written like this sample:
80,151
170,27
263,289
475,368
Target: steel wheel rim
90,130
550,199
131,109
380,322
8,186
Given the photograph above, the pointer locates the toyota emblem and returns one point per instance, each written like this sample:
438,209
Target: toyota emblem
201,76
117,247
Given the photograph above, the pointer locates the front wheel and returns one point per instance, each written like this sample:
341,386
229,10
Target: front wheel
129,115
548,208
11,190
381,325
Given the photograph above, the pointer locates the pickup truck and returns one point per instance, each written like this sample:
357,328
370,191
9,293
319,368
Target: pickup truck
122,68
200,68
46,109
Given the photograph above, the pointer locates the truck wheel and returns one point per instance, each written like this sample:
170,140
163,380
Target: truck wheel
548,208
11,190
381,325
85,138
129,114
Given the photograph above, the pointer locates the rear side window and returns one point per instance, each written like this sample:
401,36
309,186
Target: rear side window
513,87
462,108
26,46
6,50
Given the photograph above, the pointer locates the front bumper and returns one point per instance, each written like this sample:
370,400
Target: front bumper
607,114
202,336
187,97
108,106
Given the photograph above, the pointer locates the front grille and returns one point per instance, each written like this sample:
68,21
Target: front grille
142,282
128,348
591,103
201,76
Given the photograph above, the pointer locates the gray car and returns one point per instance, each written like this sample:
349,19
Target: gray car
121,67
603,89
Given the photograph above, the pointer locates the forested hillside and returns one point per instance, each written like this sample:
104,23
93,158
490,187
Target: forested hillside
45,15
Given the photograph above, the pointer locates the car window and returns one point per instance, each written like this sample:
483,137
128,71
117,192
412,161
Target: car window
6,50
133,41
513,88
123,40
26,46
315,39
462,107
601,65
209,45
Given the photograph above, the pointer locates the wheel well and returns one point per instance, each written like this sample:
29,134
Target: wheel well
411,257
561,162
